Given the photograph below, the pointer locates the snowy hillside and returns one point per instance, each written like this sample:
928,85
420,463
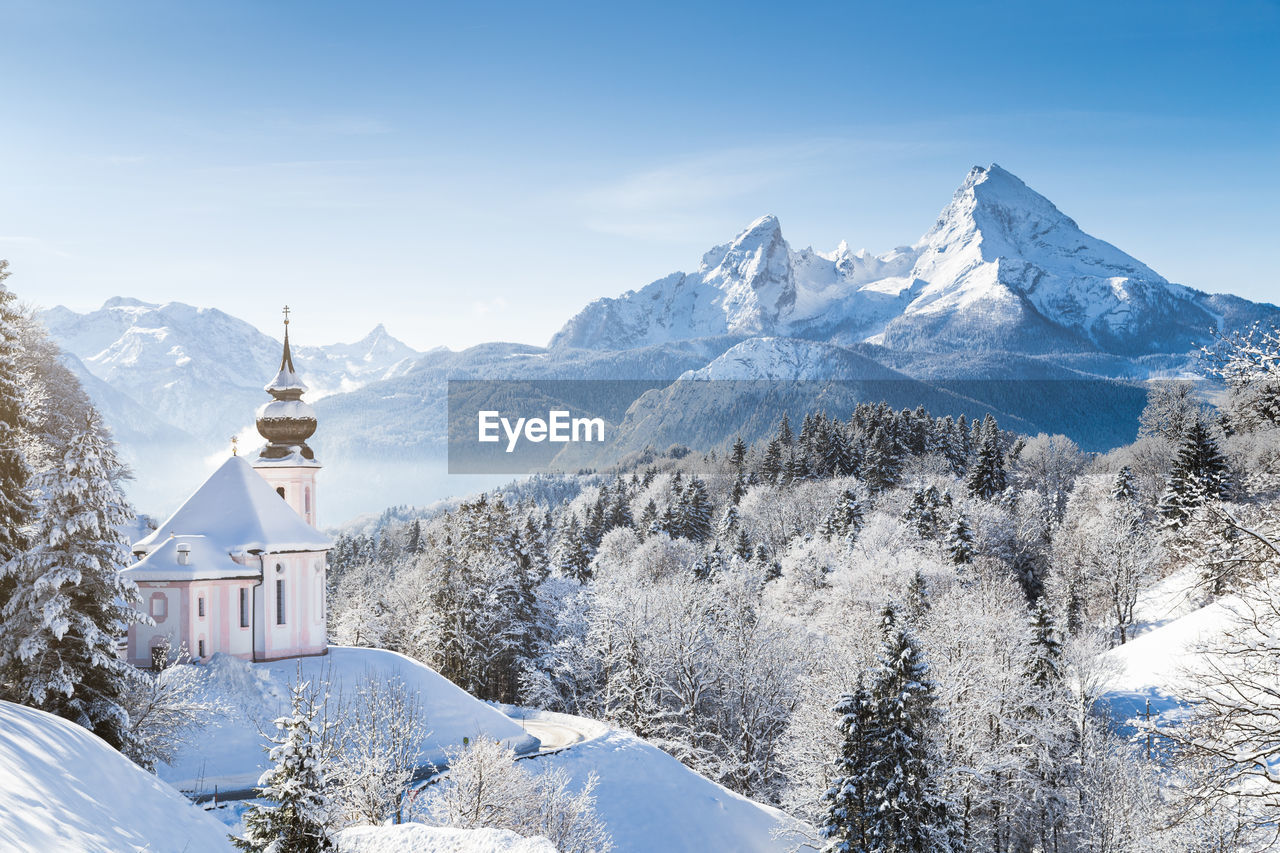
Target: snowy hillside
62,788
1001,269
650,801
228,752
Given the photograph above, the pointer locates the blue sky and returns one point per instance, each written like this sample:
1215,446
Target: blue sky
480,171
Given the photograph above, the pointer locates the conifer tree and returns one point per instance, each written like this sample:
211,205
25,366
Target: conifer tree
906,814
1199,476
1124,488
695,511
413,542
847,803
742,545
845,518
69,606
988,478
917,604
16,507
785,436
881,464
738,457
728,523
771,466
648,519
296,821
960,541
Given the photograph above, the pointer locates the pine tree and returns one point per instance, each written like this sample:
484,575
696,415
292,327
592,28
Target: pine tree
69,605
413,543
845,518
917,605
785,436
771,466
16,506
572,555
1199,476
906,816
922,513
1124,488
738,458
648,519
988,477
847,808
1045,668
297,820
728,523
881,464
695,511
742,545
960,541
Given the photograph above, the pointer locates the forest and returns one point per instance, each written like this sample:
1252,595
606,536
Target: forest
893,626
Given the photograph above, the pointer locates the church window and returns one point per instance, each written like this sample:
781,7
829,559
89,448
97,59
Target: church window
200,653
244,607
280,601
159,607
280,491
200,608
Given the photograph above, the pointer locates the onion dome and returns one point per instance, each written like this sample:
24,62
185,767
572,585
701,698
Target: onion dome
287,421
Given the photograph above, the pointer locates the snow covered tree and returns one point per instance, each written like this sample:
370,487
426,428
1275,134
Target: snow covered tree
297,819
728,523
987,476
848,802
922,513
881,464
845,518
379,748
1199,476
488,788
960,541
69,605
695,512
1123,488
906,814
16,507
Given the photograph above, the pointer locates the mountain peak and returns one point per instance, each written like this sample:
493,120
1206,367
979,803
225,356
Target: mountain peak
127,302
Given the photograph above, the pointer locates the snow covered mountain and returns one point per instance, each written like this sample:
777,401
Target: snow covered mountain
200,370
1003,277
1001,269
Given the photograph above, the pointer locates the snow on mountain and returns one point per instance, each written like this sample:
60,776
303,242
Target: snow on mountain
744,287
790,359
63,788
1001,269
201,370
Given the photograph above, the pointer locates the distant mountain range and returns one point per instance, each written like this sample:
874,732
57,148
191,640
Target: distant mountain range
998,305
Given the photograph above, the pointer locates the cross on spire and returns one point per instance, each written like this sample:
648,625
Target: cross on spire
286,315
235,445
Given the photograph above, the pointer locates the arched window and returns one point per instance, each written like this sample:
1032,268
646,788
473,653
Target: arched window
280,492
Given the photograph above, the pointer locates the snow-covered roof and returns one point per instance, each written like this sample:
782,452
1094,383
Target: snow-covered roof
237,511
205,561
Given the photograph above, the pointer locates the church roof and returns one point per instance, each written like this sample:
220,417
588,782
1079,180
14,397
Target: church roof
236,511
205,561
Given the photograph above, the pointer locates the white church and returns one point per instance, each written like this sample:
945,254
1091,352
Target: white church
239,568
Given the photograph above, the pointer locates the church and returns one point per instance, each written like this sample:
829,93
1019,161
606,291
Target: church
239,568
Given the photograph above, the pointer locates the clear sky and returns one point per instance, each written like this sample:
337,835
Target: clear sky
478,171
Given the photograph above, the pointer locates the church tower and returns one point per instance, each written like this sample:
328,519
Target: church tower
286,422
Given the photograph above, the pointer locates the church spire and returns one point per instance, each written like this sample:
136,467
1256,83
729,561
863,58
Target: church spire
287,421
